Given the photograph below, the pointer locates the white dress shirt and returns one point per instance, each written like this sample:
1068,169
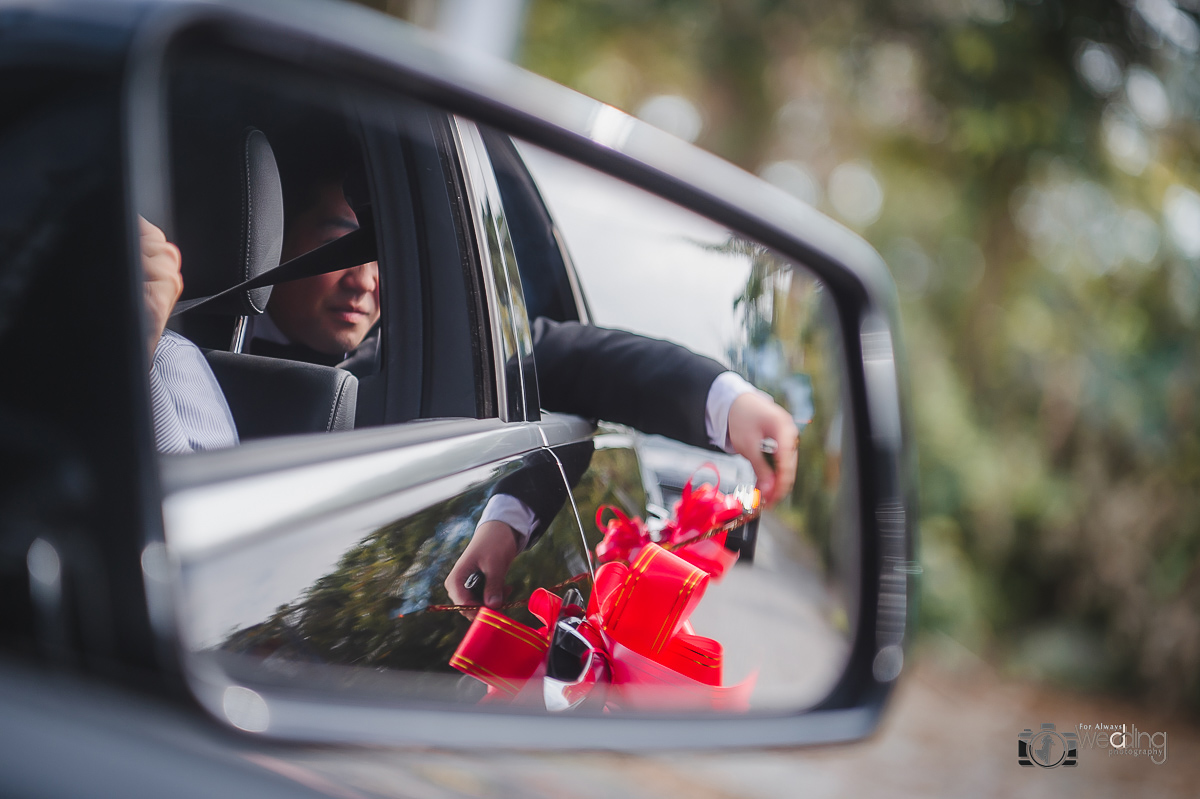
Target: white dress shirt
189,409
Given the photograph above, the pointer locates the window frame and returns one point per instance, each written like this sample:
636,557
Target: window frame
147,155
512,339
385,123
433,245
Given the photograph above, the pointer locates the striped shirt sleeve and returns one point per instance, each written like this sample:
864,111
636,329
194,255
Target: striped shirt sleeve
190,412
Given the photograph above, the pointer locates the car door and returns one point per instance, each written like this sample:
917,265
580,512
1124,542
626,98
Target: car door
322,558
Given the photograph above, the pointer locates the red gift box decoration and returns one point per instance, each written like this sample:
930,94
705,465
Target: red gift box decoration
636,622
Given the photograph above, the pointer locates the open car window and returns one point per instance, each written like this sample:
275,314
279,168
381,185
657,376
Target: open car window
327,277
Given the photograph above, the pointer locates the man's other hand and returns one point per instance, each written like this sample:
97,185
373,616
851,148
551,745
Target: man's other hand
752,418
162,264
491,551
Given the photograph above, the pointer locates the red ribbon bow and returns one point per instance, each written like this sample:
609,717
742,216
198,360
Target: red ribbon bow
637,622
698,513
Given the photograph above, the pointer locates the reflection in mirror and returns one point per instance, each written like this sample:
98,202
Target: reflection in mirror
631,572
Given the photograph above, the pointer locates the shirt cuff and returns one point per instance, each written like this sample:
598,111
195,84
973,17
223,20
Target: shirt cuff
727,387
513,512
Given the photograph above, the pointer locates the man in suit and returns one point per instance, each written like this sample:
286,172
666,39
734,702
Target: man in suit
651,385
662,388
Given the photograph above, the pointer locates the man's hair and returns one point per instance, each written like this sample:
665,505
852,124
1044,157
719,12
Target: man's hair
313,152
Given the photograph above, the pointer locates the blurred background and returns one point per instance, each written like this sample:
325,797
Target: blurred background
1028,168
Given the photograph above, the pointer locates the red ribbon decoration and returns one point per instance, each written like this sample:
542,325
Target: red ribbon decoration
623,537
698,512
504,653
637,622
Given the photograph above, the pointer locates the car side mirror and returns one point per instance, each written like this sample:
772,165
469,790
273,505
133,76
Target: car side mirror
308,583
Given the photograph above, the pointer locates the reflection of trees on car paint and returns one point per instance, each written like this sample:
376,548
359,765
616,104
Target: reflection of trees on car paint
346,617
606,482
349,616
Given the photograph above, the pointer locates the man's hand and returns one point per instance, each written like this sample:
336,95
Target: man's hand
492,549
753,417
162,264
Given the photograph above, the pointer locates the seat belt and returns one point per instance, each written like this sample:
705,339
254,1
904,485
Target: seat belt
356,247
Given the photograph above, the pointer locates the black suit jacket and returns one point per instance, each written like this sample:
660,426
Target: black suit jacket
598,373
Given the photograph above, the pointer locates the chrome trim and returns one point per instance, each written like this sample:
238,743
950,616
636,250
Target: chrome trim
563,428
238,342
215,515
260,456
587,550
506,300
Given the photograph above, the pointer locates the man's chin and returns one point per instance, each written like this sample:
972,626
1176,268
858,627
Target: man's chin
328,346
337,349
338,342
346,344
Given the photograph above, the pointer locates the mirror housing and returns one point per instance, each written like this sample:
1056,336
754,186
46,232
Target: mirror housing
354,44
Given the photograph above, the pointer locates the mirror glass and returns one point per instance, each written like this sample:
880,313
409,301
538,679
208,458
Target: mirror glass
627,563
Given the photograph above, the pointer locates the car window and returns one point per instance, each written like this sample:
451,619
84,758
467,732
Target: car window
378,320
646,264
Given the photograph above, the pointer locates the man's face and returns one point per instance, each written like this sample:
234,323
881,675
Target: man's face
330,313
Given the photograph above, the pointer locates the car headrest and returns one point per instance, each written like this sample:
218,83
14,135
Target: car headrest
229,218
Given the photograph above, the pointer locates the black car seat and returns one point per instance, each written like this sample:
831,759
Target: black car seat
229,213
275,397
